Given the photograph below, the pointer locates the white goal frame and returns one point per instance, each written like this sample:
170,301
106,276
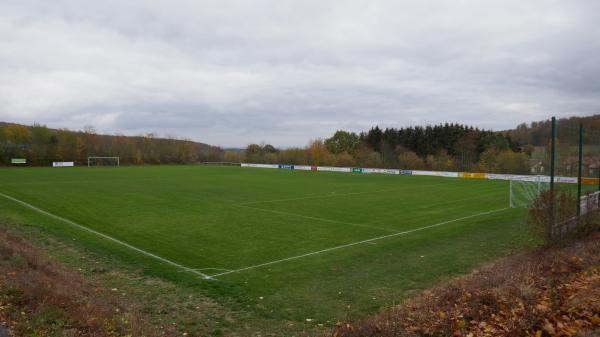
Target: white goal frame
536,187
96,157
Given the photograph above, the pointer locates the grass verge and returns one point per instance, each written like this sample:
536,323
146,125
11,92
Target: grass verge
49,287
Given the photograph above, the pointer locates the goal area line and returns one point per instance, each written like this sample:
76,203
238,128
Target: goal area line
107,237
367,241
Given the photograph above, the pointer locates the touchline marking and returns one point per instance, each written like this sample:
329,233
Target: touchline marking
316,218
72,223
358,243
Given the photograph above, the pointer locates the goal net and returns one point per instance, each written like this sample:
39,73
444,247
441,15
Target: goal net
103,161
524,190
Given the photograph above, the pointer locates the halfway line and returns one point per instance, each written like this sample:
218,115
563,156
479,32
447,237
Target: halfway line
357,243
74,224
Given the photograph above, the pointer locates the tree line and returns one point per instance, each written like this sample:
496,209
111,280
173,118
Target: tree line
444,147
567,131
41,146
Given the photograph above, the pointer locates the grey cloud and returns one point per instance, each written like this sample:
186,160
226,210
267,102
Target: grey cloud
235,72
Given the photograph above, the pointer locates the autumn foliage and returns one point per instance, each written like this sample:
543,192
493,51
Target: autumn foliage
447,147
41,146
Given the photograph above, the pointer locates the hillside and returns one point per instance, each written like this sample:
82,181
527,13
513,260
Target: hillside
538,133
451,147
41,146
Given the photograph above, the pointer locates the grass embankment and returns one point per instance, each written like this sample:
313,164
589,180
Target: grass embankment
53,288
544,292
40,296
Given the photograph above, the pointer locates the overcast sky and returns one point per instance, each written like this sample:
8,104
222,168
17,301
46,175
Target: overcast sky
231,73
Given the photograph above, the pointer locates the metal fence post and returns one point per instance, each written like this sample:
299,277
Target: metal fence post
580,165
552,159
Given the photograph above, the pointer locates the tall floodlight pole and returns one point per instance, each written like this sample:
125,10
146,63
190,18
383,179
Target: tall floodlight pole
579,169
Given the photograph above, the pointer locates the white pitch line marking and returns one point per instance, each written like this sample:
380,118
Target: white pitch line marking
84,228
317,218
201,269
333,195
357,243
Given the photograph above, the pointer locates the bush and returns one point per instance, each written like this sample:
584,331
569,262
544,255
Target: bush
558,223
544,214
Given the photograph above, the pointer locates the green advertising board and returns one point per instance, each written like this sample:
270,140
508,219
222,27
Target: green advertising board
18,161
357,170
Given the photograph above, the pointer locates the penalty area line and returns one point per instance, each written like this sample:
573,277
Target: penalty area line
107,237
368,241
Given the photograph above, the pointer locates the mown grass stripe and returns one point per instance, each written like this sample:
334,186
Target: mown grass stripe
316,218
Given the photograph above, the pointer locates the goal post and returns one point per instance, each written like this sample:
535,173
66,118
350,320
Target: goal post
103,161
524,190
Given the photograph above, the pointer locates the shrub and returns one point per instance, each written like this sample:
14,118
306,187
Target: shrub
558,222
548,210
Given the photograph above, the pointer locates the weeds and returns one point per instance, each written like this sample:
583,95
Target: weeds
39,297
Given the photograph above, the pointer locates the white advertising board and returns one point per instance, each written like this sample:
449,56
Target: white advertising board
377,170
448,174
494,176
435,173
63,164
260,165
302,167
422,173
569,180
543,179
334,169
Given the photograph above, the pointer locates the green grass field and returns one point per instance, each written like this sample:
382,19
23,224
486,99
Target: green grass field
283,244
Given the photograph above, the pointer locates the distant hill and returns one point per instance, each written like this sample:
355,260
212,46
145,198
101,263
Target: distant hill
538,133
42,145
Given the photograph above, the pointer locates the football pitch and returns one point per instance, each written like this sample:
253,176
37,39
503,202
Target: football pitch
285,244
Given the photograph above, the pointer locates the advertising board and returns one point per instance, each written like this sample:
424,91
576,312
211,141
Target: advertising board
63,164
